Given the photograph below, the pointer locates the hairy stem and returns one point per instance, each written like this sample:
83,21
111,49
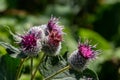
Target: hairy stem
38,66
20,68
58,72
31,66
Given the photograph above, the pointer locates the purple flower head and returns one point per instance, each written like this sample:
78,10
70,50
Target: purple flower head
54,37
31,42
28,41
86,50
52,23
79,58
54,26
38,32
55,32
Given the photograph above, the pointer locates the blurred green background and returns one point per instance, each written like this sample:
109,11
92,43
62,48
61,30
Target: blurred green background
97,20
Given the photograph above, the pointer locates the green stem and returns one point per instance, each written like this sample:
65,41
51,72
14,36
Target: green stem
59,71
37,66
31,66
20,68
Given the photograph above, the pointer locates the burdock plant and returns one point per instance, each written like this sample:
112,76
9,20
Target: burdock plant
47,39
79,58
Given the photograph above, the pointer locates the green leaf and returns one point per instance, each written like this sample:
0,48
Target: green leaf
94,36
8,67
12,51
2,50
52,64
9,48
84,75
90,74
65,78
117,53
3,5
69,41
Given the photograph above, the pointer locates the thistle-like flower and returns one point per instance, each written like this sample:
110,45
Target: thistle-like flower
79,58
52,44
30,43
38,31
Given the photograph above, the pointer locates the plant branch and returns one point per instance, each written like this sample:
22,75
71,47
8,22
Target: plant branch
31,66
20,68
58,72
37,67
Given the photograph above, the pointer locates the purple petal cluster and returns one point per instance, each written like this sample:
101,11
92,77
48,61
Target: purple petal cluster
52,44
87,51
46,37
28,41
55,32
79,58
31,42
